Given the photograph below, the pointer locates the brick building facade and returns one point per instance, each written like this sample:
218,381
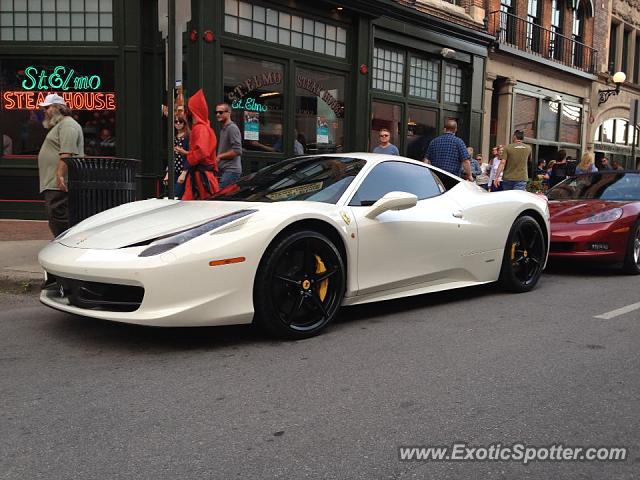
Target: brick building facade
540,73
612,132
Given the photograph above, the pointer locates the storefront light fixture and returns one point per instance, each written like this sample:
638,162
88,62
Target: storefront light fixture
269,94
618,79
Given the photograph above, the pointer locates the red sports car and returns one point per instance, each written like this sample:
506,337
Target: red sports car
596,216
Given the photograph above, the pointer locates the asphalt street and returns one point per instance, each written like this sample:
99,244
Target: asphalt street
95,400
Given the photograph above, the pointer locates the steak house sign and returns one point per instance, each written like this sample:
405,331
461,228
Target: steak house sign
275,78
38,83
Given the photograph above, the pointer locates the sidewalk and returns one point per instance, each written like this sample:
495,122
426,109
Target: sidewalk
20,242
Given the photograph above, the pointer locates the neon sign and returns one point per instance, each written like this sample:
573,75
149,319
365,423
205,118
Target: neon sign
61,78
249,104
20,100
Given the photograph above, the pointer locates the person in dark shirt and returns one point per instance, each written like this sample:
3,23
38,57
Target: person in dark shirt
449,152
559,169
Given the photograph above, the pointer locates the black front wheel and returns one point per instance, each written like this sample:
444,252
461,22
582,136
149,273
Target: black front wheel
299,286
524,255
632,257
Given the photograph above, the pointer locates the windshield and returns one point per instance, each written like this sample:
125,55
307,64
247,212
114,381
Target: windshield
601,186
319,179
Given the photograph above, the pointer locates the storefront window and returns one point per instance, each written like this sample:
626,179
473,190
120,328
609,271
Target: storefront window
87,87
51,21
608,128
634,134
549,120
421,129
254,91
388,70
243,18
621,131
385,115
618,131
452,83
570,124
424,78
524,115
319,126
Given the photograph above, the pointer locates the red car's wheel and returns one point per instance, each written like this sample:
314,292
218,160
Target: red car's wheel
632,258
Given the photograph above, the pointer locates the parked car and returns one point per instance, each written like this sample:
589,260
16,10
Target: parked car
287,246
596,217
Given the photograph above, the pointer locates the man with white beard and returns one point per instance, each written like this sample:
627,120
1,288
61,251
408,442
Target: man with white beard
65,139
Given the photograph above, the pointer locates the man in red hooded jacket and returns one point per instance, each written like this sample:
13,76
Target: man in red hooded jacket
201,182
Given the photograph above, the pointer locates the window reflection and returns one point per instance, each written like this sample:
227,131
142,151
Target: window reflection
421,129
384,115
525,115
253,89
549,120
570,124
319,124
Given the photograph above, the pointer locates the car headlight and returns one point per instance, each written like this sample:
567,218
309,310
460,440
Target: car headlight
602,217
167,243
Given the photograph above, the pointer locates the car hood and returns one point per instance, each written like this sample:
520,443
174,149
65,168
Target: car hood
145,221
570,211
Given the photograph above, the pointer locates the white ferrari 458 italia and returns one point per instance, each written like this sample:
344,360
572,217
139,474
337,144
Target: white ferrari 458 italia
286,246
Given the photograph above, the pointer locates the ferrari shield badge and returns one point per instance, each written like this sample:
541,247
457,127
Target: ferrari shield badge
345,217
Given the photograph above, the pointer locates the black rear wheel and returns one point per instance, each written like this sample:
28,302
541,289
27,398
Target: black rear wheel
299,286
632,257
524,255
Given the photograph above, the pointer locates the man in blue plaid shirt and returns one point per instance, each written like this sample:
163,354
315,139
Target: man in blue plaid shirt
449,152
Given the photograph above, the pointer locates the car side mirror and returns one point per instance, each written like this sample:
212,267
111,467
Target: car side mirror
392,201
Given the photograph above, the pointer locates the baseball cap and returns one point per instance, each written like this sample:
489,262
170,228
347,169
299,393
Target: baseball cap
51,99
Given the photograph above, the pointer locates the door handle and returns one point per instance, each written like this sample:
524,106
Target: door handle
457,213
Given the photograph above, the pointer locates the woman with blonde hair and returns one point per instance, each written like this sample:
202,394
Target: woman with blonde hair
587,164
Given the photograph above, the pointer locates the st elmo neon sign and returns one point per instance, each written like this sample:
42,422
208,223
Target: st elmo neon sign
63,80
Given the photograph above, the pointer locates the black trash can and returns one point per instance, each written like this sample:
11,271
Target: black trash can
99,183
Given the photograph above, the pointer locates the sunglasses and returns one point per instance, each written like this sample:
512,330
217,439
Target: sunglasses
384,135
179,121
220,112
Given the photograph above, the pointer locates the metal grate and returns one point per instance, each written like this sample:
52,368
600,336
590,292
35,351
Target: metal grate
539,41
56,20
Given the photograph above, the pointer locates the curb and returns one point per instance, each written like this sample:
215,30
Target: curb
20,282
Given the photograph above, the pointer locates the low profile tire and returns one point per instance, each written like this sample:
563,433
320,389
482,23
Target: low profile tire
632,258
299,285
524,255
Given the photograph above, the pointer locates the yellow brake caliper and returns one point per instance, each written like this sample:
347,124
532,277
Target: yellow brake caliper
324,285
513,251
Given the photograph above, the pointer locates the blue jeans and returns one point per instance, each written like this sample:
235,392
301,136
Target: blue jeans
227,178
178,190
514,185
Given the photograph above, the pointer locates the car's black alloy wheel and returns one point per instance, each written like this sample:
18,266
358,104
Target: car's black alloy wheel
300,285
524,255
632,257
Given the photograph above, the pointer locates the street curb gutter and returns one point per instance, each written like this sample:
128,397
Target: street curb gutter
20,282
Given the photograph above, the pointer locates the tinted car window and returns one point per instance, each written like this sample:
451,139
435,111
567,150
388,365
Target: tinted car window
605,185
396,177
319,179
